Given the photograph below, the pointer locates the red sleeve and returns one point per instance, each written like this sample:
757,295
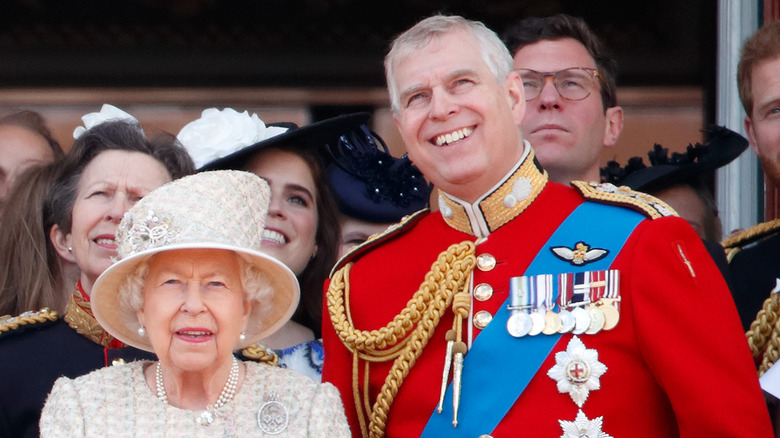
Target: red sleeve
690,335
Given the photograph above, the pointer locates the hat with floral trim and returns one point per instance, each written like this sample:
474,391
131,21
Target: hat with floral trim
722,146
227,139
223,210
371,185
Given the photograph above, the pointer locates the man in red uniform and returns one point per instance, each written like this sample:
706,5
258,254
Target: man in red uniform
525,307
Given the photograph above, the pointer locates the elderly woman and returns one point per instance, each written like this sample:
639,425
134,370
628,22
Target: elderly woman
302,227
110,167
192,286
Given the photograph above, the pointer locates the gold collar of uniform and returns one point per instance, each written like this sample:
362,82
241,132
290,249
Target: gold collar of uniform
78,315
510,197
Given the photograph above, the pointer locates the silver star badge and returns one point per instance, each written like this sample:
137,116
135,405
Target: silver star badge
577,371
581,427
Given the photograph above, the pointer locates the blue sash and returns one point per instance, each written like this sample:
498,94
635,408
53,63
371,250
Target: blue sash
498,367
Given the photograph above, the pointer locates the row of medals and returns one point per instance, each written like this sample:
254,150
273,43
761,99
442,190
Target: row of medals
584,318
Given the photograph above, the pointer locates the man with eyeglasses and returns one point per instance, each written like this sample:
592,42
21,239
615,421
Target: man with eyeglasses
569,82
524,307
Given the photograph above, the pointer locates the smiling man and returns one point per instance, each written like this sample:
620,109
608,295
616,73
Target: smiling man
522,304
570,91
755,252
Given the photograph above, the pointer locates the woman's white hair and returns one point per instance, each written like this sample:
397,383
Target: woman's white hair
254,283
494,52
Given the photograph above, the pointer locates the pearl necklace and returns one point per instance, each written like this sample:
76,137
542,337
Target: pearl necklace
227,394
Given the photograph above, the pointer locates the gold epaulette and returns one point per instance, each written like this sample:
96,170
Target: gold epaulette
392,231
735,243
623,196
260,353
11,324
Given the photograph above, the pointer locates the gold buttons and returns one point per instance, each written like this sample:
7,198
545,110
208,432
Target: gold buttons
482,319
483,292
486,262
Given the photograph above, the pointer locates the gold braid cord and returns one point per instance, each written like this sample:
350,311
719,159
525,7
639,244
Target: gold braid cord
764,334
734,244
260,353
405,337
8,323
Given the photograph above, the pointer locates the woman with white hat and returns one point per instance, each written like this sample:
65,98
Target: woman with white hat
302,229
191,285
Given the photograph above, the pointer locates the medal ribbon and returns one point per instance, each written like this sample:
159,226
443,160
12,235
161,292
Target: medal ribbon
548,292
501,366
581,294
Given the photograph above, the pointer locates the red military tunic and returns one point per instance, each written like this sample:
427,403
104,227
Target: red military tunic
677,362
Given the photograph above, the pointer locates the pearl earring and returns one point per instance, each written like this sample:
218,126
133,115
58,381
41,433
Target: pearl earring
242,337
70,248
141,331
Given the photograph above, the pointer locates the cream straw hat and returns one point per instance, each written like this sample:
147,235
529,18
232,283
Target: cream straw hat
223,209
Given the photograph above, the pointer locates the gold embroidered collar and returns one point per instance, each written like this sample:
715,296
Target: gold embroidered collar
504,202
78,315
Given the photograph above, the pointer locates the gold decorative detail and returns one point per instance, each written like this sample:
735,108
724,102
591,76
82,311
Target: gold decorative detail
496,212
482,319
78,315
261,353
763,337
492,207
457,217
486,262
483,292
405,337
623,196
10,323
734,244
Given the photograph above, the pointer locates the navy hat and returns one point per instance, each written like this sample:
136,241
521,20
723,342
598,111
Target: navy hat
722,146
313,136
371,185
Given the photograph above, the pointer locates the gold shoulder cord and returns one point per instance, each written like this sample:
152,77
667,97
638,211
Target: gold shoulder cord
764,334
262,354
447,278
27,318
734,244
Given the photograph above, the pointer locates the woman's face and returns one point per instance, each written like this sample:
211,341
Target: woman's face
194,309
110,184
291,227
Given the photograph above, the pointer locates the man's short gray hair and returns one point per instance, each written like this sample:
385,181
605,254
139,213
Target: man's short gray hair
494,52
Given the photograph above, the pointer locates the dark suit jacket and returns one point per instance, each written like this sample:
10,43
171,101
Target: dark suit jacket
754,272
32,358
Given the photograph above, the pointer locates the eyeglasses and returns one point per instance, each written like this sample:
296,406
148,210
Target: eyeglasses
575,83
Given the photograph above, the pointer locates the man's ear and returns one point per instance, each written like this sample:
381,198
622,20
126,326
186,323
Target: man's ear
613,126
62,243
516,92
751,135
